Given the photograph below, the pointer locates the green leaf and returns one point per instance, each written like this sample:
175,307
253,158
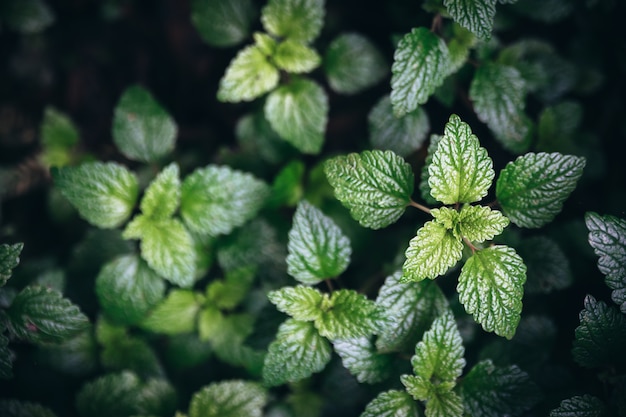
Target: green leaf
401,135
27,16
318,249
475,15
18,408
223,23
360,357
346,315
461,170
127,289
104,193
492,391
76,357
298,112
298,352
300,20
6,358
392,403
248,76
302,303
498,93
142,129
287,187
421,62
162,196
476,223
601,336
157,397
110,395
375,185
491,287
166,246
175,314
580,406
425,190
444,404
352,63
41,315
409,308
9,259
58,136
607,237
234,398
132,354
295,57
229,292
531,190
548,266
431,252
216,199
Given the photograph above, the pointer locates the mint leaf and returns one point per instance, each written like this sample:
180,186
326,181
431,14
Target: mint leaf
420,64
601,336
476,223
425,190
302,303
352,63
228,399
27,16
9,259
475,15
222,23
131,353
492,391
491,287
162,196
376,186
409,308
360,357
295,57
58,136
104,193
401,135
175,314
346,315
215,199
109,395
229,292
443,403
6,358
248,76
142,129
298,352
431,252
580,406
287,186
41,315
531,190
127,289
607,237
18,408
548,266
461,170
166,246
317,247
392,403
298,112
300,20
157,397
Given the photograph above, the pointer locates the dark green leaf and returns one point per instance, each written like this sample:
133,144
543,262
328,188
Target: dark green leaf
17,408
58,136
132,354
157,397
475,15
287,187
9,259
175,314
222,23
580,406
531,190
301,20
162,196
249,75
228,293
376,186
424,186
392,404
109,395
27,16
360,357
548,266
77,356
547,11
6,358
347,314
295,57
229,399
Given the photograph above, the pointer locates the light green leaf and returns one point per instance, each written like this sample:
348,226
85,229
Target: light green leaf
266,43
9,259
444,404
491,287
175,314
409,308
392,403
376,186
27,16
300,20
248,76
298,352
548,266
295,57
109,395
234,398
162,196
476,223
580,406
222,23
475,15
302,303
402,135
142,129
424,187
352,63
19,408
346,315
127,289
461,170
58,136
41,315
104,193
531,190
431,252
421,62
607,237
215,199
166,246
298,112
360,357
229,292
317,247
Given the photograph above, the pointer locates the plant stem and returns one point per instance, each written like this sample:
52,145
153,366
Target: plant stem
329,284
419,206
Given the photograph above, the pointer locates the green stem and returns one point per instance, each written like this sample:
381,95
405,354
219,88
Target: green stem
419,206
